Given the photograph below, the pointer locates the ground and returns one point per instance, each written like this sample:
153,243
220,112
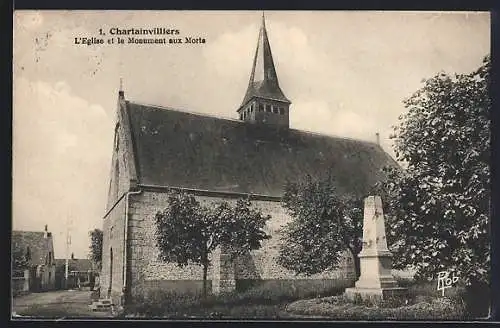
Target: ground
55,304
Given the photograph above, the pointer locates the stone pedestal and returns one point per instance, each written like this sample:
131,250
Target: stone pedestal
376,279
223,280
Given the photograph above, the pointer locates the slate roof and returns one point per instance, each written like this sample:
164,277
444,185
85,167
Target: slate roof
263,79
76,264
180,149
37,243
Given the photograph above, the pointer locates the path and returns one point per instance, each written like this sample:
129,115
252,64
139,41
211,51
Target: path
59,304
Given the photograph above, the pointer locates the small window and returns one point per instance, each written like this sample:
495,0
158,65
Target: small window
241,116
261,107
244,115
282,111
268,108
117,137
251,108
50,258
275,110
28,254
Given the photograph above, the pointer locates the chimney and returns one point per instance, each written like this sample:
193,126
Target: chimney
377,136
45,233
72,256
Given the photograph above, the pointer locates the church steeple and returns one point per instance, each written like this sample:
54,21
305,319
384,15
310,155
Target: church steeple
264,101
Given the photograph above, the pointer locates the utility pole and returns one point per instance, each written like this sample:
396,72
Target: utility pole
68,245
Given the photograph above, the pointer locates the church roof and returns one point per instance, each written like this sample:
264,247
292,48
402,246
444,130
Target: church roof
263,79
179,149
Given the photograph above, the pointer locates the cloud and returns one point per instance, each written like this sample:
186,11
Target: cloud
319,116
61,143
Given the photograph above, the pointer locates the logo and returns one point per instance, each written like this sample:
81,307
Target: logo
445,281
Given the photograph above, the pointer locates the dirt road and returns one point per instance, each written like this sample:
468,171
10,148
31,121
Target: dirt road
62,304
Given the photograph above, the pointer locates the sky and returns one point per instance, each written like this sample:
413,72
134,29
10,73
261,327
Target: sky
346,74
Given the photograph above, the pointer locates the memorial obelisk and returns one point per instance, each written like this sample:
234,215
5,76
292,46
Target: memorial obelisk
376,279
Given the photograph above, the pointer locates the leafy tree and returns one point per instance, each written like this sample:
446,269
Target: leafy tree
95,253
438,207
324,226
187,231
20,259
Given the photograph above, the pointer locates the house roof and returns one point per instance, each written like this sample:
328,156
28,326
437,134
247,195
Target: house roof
263,79
179,149
76,264
37,243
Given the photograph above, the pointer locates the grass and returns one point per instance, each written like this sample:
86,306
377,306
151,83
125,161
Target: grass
266,301
285,301
338,308
423,302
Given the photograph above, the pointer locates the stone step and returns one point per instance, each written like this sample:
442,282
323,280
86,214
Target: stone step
101,305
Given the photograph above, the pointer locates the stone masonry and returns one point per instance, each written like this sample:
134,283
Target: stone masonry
144,267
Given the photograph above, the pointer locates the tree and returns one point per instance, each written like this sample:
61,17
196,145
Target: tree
324,225
438,207
95,253
188,232
20,258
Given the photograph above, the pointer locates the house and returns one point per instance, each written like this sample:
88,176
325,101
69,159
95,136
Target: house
36,250
157,149
78,269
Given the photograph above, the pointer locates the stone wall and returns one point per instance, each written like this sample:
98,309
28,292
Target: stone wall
20,282
113,233
48,277
146,271
114,219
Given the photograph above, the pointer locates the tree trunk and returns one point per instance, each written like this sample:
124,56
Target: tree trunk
357,265
356,261
205,270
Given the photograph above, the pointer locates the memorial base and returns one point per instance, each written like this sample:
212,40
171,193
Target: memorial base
376,293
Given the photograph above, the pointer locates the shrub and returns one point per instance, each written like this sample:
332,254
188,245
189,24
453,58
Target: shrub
263,300
339,308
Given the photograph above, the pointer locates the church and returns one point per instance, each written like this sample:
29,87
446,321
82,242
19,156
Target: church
157,149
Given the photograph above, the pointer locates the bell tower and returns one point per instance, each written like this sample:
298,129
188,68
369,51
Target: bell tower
264,102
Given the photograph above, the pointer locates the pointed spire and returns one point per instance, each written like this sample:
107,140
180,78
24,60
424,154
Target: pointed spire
120,91
263,79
